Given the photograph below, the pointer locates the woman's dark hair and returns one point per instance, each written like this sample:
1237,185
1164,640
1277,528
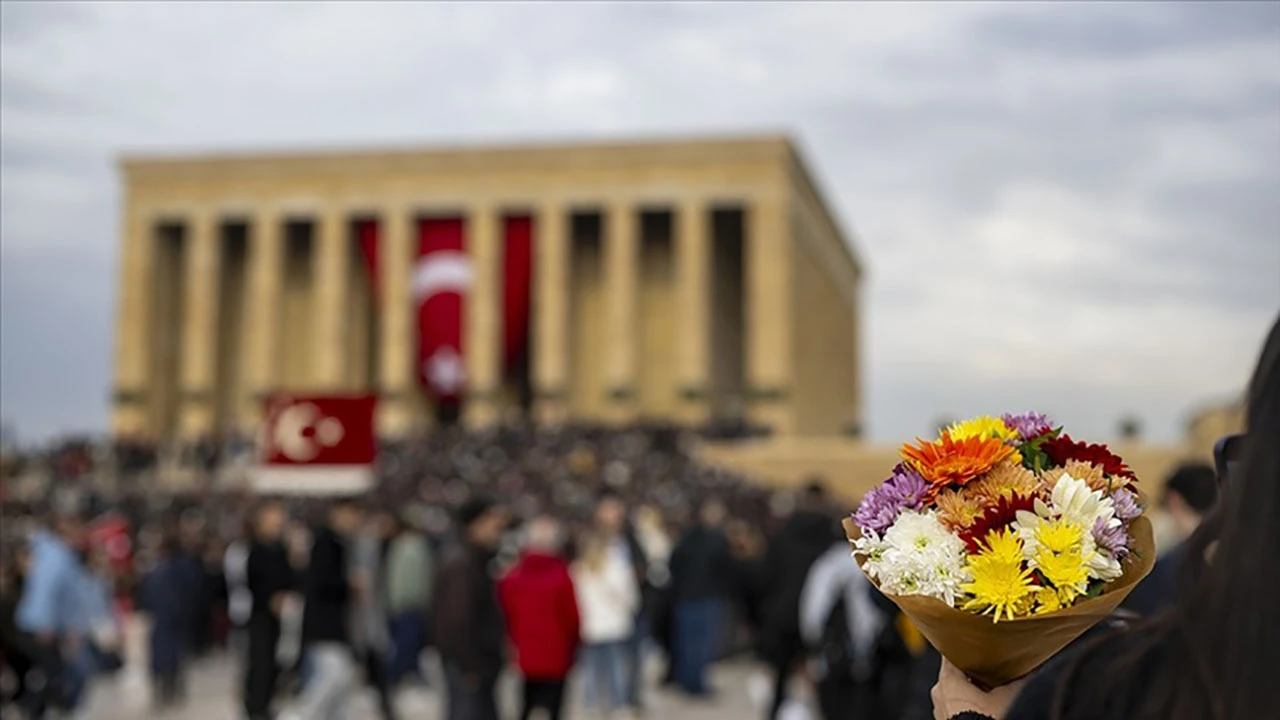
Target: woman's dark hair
1213,655
1197,484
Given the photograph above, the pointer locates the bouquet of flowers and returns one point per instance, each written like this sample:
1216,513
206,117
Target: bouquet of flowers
1004,540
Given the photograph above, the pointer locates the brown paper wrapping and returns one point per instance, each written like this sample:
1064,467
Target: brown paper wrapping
994,653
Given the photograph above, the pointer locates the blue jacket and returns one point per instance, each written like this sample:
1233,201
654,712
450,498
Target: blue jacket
94,600
52,596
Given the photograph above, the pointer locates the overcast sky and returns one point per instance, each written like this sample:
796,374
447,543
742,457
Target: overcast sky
1074,208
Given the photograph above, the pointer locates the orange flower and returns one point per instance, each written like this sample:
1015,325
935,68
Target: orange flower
954,462
957,509
1088,472
1005,480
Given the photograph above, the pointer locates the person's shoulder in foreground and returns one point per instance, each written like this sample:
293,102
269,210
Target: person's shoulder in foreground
1086,664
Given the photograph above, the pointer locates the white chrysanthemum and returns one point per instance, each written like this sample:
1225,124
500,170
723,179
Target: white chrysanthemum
921,531
917,556
871,547
1102,566
1073,501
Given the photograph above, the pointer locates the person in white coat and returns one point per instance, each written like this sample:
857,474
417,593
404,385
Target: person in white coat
608,596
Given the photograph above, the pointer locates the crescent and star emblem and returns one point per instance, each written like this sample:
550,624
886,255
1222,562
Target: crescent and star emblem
301,432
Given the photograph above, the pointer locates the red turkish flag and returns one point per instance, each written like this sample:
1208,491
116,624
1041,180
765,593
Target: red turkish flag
319,430
442,277
517,284
317,444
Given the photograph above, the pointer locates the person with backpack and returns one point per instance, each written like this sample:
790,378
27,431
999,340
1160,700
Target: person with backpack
808,533
840,626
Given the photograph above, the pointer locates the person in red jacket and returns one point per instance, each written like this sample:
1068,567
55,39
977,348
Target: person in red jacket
542,618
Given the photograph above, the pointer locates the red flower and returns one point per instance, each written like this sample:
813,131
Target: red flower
1062,449
997,517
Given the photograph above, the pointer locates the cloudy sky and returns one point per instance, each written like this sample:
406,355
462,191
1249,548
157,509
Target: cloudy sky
1074,208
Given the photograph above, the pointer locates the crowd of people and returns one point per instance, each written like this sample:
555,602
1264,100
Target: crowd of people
574,553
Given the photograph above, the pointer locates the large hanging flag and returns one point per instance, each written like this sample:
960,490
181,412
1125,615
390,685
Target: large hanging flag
517,274
367,237
441,279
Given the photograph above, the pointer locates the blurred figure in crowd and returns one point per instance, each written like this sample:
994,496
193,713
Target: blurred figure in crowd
101,623
541,611
700,583
466,617
409,576
808,533
16,646
656,543
52,610
235,566
1190,493
164,599
621,543
608,595
198,596
215,585
840,626
746,548
371,637
328,607
269,579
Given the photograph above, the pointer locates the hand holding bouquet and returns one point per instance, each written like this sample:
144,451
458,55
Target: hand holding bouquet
1003,540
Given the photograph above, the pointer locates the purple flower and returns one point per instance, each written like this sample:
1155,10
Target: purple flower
1127,507
1112,539
904,490
1030,425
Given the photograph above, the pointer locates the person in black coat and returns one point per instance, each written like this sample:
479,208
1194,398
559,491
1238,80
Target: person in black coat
165,597
328,597
269,579
16,647
190,565
808,534
701,582
466,617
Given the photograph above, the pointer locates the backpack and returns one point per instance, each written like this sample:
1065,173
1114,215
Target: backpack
835,649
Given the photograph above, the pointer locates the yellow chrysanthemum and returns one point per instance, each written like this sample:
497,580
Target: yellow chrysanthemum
1067,572
1059,536
1005,480
983,426
1000,582
1046,601
958,509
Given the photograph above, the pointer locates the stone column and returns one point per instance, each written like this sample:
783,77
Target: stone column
132,392
395,313
693,298
330,279
262,319
769,317
482,333
621,269
551,314
199,325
